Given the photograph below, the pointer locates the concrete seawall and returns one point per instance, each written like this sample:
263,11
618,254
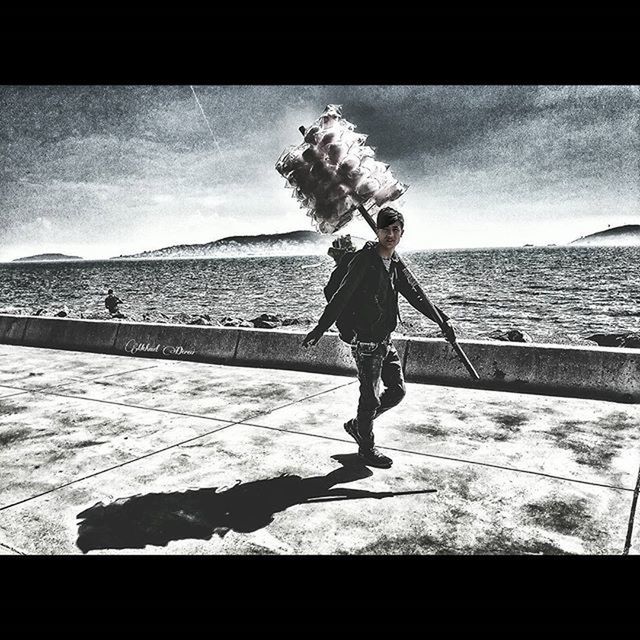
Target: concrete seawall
590,372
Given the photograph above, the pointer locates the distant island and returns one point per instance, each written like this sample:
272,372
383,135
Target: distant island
626,235
275,244
42,257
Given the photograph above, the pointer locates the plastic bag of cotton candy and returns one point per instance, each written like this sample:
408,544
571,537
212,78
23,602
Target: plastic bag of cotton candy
333,171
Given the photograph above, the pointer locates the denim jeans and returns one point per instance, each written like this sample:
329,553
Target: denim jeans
376,362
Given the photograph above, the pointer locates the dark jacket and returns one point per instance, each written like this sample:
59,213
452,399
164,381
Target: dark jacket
366,291
111,302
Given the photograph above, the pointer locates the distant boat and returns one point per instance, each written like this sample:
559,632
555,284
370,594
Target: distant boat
527,245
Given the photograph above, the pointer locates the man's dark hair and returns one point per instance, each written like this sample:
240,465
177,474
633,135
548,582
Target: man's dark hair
387,216
110,291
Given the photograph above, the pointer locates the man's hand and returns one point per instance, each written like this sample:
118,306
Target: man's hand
312,337
448,332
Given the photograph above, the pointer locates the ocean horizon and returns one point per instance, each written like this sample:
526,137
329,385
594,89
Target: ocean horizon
269,254
556,294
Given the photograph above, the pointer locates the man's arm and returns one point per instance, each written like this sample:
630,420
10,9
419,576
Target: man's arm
417,302
340,299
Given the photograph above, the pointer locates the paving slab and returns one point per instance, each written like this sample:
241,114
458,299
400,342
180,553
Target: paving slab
5,392
38,368
514,473
48,441
586,440
228,393
226,494
6,551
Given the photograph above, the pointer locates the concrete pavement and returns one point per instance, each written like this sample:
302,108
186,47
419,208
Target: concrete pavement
108,454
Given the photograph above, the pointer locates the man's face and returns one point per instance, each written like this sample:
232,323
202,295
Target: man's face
389,237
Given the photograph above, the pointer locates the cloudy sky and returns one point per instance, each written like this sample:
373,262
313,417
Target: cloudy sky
99,171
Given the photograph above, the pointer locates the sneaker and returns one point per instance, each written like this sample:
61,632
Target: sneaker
374,458
350,428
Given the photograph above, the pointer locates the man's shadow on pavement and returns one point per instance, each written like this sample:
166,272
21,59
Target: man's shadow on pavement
158,518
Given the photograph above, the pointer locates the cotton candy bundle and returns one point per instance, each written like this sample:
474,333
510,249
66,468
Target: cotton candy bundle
333,170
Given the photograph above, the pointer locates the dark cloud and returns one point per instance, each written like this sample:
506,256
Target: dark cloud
404,121
51,114
80,160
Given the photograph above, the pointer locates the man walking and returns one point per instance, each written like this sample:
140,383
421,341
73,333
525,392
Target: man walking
368,294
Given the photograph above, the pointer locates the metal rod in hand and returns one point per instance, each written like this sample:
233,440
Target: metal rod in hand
413,283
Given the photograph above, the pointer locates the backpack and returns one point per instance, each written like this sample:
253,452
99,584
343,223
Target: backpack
346,321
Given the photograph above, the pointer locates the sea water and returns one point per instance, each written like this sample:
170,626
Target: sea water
555,294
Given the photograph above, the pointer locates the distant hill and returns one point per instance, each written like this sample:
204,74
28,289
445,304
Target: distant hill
626,235
47,256
275,244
